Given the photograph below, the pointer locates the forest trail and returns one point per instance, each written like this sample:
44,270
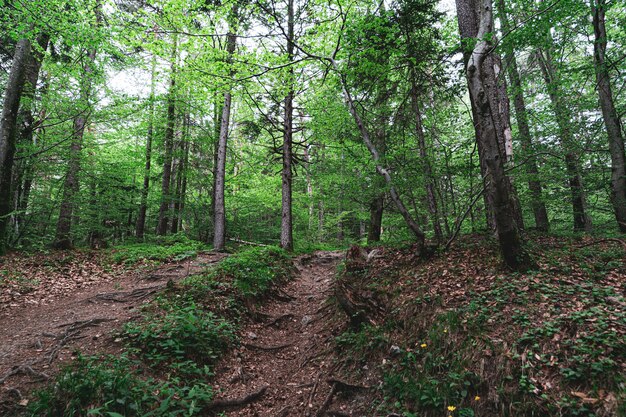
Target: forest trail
37,338
289,351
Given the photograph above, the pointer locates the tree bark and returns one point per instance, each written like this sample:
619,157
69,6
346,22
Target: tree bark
24,170
582,222
8,131
286,225
610,116
219,234
365,136
497,184
67,211
140,226
429,182
166,198
534,185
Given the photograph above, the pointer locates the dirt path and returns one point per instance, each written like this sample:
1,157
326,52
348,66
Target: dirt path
290,352
36,338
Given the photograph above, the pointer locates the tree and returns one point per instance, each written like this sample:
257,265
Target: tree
8,130
63,239
478,15
534,184
609,114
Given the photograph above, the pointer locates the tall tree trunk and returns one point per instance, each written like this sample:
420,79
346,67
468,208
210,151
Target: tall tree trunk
582,222
497,184
377,207
180,175
23,170
611,118
8,131
429,182
140,226
286,224
67,211
219,234
166,198
534,185
380,169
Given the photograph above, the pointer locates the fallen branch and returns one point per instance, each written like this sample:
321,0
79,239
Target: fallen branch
596,242
237,402
245,242
344,386
135,295
277,319
258,347
327,401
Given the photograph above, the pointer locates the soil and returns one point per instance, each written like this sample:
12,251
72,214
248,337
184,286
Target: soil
286,355
45,327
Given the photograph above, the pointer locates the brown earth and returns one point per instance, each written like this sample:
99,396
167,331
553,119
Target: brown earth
286,355
75,309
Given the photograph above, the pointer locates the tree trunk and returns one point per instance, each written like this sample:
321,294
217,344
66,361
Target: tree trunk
365,136
497,184
534,185
611,118
429,182
564,121
219,235
143,207
8,131
377,207
166,198
24,169
67,211
286,225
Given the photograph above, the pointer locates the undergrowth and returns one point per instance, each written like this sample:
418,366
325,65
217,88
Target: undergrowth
461,337
171,349
171,248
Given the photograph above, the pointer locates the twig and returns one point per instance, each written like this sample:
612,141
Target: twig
257,347
610,239
237,402
277,319
327,401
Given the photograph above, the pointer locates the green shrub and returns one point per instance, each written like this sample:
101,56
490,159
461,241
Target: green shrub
114,387
138,252
187,338
253,271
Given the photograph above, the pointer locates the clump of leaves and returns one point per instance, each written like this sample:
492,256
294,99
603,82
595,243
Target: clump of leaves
139,252
187,338
254,271
115,386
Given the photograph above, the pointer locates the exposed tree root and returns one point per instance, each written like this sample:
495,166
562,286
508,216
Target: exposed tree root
269,348
236,402
124,297
327,401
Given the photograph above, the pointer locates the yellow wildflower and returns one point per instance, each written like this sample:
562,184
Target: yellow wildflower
423,345
477,398
451,408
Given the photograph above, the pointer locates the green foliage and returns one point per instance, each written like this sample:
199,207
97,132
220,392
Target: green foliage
114,386
186,338
176,249
253,271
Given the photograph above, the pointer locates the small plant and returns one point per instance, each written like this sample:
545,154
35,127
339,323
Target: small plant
114,386
186,339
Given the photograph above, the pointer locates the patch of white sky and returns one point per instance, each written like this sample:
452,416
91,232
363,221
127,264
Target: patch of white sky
135,82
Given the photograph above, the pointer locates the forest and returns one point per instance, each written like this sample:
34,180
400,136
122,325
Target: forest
411,166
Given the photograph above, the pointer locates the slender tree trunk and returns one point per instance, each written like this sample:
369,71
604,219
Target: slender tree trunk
166,198
365,136
219,235
534,185
425,160
23,171
286,225
582,222
611,118
140,226
8,131
67,211
497,184
377,207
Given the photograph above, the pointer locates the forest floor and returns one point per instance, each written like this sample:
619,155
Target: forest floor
382,332
58,304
